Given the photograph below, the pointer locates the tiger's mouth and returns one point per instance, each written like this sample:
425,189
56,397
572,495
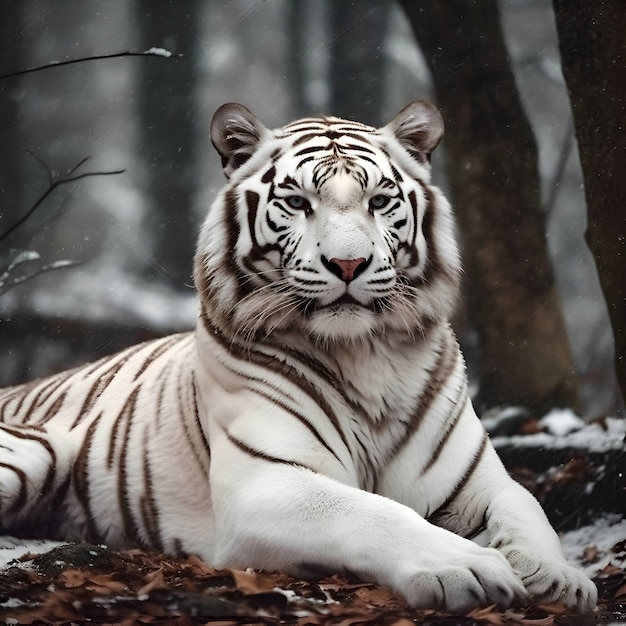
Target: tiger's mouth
345,300
343,304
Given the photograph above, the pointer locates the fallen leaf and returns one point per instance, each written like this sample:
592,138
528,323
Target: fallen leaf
71,578
250,582
590,554
609,570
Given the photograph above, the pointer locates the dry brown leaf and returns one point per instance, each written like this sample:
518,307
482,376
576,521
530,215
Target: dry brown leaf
489,614
71,578
199,567
531,427
577,470
106,581
155,580
554,608
377,596
609,570
590,554
251,582
352,620
60,605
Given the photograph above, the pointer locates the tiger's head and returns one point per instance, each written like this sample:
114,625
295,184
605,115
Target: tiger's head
327,227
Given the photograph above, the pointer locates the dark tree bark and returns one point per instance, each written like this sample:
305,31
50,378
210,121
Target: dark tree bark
592,41
297,61
357,69
10,209
492,165
166,117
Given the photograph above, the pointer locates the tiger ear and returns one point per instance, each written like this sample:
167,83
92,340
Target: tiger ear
419,128
235,133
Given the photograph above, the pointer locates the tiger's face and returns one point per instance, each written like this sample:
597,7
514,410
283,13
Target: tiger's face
334,227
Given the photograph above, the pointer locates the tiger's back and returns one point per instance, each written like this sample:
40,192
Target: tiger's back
318,417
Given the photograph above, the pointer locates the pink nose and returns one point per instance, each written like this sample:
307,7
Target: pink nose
345,268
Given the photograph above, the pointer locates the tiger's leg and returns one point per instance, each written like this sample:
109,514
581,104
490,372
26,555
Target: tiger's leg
33,467
272,514
515,525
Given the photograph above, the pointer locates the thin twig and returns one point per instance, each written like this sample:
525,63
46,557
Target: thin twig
152,52
53,184
58,265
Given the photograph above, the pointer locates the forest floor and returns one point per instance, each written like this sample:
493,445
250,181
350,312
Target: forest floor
580,486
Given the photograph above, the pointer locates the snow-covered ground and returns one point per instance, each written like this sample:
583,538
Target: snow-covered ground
563,428
591,547
12,549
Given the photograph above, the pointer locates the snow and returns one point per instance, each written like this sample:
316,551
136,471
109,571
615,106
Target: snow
594,437
561,422
159,52
12,548
109,294
604,533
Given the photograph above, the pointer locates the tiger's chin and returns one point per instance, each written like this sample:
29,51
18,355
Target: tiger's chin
343,323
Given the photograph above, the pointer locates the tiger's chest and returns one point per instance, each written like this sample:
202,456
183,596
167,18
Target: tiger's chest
386,394
341,412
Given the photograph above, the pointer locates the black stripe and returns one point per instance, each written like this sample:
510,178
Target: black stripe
96,391
44,390
269,175
22,496
19,433
118,424
312,150
54,408
148,506
299,416
25,391
252,201
467,474
181,418
452,423
123,487
161,347
80,475
261,455
444,366
275,365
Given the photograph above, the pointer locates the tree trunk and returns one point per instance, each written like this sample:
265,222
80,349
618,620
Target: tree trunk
593,55
357,71
166,107
10,207
492,165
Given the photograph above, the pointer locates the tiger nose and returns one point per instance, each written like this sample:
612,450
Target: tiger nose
346,269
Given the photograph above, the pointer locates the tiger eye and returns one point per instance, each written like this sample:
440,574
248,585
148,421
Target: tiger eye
295,202
379,201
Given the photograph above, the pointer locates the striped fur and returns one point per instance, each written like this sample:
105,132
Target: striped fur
318,418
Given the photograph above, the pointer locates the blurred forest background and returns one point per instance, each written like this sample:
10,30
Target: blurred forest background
105,261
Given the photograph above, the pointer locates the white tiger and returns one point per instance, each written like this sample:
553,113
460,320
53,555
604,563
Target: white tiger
318,418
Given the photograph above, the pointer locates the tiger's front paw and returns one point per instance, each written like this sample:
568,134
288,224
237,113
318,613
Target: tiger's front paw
553,580
461,580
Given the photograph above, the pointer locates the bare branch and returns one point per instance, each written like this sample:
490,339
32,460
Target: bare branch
7,283
152,52
53,184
